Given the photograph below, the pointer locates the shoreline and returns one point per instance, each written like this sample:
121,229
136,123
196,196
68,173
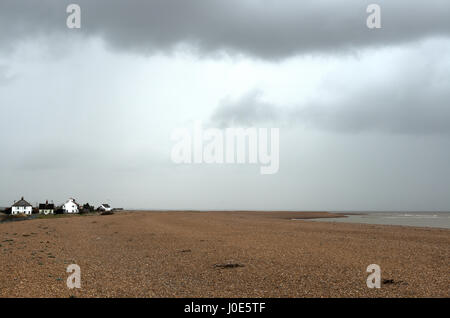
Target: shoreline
288,215
4,218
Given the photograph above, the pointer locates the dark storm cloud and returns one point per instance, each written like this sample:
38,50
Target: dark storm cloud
245,111
265,29
391,111
414,98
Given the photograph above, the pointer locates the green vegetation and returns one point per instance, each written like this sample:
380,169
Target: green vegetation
51,216
57,216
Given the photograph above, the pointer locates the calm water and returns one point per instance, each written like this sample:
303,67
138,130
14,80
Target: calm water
421,219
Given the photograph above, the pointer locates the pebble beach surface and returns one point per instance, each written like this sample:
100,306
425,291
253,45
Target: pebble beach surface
219,254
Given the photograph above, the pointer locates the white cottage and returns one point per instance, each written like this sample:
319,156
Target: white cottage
105,207
70,206
21,207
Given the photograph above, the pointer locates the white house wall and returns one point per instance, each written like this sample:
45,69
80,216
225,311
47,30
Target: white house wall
70,207
21,210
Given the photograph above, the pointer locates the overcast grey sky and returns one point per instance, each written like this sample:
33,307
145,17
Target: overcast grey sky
364,115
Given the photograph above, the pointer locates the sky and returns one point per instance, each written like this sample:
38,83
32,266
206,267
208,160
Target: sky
363,114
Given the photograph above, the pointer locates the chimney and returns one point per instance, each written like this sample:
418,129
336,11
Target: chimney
46,202
22,198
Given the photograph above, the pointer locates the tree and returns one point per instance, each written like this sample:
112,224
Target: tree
87,208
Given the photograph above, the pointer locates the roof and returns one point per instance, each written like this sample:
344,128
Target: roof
106,205
71,200
22,202
44,206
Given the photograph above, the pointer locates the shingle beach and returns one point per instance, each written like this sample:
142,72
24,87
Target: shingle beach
219,254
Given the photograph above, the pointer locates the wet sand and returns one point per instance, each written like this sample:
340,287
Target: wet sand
219,254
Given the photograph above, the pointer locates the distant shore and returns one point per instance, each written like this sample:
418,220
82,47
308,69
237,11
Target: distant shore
275,214
219,254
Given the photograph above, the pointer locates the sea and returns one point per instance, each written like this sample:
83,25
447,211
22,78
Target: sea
418,219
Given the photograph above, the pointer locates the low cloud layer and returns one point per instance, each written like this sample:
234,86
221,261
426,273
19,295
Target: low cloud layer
245,111
263,29
412,98
5,78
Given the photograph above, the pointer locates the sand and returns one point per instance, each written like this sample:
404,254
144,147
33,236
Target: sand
219,254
